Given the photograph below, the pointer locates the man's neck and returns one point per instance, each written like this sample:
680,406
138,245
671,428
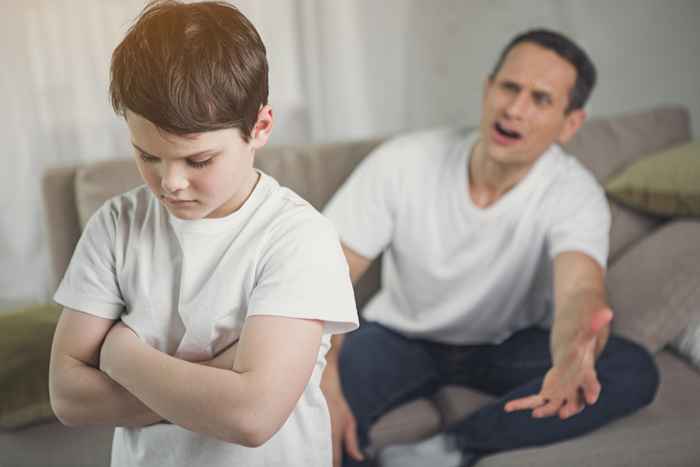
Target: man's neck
489,180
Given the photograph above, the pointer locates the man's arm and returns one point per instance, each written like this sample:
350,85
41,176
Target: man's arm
80,393
343,425
274,360
581,328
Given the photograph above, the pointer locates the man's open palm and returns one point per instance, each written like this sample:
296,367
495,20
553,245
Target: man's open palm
568,387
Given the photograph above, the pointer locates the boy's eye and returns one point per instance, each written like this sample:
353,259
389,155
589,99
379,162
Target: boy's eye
200,164
147,158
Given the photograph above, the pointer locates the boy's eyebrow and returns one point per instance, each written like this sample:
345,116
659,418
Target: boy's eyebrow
197,154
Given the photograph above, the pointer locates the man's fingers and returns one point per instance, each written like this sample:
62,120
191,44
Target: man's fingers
352,446
591,388
337,451
570,409
525,403
547,410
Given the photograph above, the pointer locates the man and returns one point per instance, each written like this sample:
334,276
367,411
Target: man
488,239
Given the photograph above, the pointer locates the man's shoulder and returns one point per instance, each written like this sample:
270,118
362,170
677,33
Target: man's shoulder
571,173
427,139
413,149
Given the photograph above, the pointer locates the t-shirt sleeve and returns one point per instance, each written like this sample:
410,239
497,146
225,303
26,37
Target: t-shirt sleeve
90,283
303,274
363,210
580,219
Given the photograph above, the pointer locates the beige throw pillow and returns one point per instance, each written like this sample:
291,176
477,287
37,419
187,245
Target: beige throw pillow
666,183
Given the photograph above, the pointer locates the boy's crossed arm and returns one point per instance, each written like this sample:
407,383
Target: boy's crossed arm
273,362
80,393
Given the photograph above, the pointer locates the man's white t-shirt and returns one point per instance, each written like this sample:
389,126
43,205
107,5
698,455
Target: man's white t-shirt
186,288
453,272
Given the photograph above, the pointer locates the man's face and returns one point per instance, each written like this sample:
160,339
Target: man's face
524,106
203,175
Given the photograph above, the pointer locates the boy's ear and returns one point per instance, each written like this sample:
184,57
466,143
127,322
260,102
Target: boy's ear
262,128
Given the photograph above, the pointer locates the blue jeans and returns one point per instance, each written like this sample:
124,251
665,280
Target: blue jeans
380,369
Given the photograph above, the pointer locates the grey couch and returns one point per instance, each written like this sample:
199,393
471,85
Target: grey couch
663,434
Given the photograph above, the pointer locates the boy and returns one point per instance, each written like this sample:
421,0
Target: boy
198,308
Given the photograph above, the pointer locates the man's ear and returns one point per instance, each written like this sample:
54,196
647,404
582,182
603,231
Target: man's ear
488,82
573,121
262,128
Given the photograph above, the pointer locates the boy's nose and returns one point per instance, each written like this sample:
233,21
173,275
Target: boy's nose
173,180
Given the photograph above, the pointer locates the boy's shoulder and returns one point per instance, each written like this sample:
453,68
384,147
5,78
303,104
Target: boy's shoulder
133,204
286,213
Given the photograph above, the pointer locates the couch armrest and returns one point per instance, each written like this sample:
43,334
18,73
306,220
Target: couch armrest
61,219
654,287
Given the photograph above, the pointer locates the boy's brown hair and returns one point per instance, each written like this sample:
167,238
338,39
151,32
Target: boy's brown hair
191,68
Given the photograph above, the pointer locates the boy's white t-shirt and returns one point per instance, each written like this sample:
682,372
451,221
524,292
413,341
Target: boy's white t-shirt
451,271
186,288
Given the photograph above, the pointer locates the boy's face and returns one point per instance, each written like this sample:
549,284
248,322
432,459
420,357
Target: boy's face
524,105
203,175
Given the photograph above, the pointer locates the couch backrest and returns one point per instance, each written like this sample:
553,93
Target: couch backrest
604,145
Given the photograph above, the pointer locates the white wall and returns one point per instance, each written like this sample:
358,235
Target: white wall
434,57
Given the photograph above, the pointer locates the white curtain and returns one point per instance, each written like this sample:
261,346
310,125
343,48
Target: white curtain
340,69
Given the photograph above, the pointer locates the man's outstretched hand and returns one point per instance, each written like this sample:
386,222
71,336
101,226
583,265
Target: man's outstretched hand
572,383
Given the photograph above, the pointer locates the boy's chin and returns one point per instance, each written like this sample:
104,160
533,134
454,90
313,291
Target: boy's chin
186,215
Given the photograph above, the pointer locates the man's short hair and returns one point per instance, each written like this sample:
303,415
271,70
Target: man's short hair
191,68
566,49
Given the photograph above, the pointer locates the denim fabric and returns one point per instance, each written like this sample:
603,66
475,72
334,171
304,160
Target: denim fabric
381,369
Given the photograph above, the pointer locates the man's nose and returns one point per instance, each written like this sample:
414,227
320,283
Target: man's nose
173,178
519,106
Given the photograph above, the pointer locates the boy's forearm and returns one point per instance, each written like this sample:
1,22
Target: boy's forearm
200,398
83,395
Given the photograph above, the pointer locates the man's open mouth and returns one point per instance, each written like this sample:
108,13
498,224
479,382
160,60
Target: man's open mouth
506,132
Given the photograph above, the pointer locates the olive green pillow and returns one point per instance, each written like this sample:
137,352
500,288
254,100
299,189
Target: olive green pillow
666,183
25,347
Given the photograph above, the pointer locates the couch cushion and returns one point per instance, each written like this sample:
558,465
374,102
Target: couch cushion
313,171
666,183
687,344
55,445
628,227
96,183
654,288
607,145
25,348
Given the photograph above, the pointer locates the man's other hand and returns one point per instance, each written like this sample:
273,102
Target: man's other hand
343,426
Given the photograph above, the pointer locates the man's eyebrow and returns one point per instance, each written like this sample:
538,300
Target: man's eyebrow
197,154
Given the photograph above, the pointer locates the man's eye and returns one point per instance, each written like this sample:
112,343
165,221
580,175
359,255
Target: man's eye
147,158
542,99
